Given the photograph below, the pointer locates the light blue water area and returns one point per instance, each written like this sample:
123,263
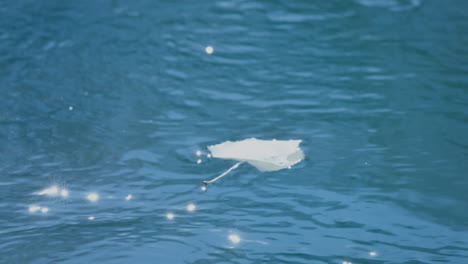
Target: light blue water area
116,97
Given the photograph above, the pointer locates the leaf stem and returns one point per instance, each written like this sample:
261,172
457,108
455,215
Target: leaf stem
224,174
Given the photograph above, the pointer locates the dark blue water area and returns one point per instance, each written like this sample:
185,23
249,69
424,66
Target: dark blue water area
114,98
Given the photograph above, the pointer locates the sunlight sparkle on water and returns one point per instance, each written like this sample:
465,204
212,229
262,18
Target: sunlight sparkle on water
93,197
346,262
372,253
209,50
53,190
203,188
191,207
128,197
170,216
44,210
198,153
199,161
34,208
208,155
64,193
234,238
91,218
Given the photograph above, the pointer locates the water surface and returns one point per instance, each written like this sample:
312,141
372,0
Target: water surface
115,98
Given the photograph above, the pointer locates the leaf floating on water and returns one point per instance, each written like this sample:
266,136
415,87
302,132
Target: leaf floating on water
265,155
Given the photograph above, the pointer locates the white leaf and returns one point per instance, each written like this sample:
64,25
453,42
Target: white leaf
265,155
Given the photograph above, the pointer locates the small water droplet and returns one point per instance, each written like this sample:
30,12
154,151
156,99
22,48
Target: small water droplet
128,197
199,161
70,108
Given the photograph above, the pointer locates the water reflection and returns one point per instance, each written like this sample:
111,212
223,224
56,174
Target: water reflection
64,193
234,238
170,216
209,50
191,207
34,208
93,197
53,190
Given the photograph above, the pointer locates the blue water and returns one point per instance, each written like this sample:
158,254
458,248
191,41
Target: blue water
116,97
